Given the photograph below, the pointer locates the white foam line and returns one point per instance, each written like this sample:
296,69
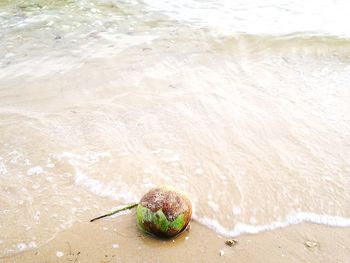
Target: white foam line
100,189
93,185
292,219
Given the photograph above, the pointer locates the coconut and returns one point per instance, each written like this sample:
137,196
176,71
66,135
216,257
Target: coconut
164,212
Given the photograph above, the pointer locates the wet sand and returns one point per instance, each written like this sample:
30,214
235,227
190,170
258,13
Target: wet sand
119,240
101,101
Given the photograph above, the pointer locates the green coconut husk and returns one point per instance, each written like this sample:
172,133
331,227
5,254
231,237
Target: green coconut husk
164,212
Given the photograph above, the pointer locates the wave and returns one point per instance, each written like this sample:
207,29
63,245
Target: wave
296,43
124,194
254,17
291,219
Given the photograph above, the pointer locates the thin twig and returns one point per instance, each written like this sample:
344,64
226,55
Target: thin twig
116,211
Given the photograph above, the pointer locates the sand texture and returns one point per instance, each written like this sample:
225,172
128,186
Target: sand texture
119,240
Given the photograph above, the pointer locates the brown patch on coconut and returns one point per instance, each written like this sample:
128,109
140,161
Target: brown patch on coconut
171,202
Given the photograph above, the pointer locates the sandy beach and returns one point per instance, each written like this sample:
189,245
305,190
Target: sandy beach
119,240
243,106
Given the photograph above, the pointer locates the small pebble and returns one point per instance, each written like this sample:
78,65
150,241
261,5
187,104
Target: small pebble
311,244
187,238
222,253
115,246
21,246
59,254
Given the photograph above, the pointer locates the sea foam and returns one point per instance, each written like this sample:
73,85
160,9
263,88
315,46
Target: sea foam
291,219
101,189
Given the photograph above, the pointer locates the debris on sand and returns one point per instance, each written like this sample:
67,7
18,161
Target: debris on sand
311,244
231,242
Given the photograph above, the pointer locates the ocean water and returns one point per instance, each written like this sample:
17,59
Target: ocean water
244,105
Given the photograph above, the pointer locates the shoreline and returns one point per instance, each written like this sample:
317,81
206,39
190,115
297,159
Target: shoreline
119,240
100,104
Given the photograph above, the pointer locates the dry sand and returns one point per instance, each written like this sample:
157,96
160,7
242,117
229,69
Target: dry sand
119,240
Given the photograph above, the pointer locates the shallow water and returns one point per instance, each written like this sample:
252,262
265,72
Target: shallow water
242,105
